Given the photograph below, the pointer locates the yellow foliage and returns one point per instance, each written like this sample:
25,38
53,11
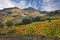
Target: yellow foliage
41,28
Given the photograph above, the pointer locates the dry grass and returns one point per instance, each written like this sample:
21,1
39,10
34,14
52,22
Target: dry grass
41,28
51,29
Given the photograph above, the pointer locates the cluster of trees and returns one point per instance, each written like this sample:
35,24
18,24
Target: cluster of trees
36,19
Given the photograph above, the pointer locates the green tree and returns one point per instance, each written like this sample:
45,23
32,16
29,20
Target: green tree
49,19
36,19
26,21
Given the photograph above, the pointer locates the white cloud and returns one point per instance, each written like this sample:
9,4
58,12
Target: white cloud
50,5
22,4
5,4
46,0
34,3
47,5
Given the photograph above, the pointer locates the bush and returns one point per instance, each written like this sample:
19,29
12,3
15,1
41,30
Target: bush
9,23
1,25
18,24
12,32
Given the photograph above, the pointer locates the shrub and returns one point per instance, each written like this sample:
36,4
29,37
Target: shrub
9,23
1,25
17,22
43,19
12,32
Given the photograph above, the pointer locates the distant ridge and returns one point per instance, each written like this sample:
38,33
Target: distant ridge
31,9
10,8
54,13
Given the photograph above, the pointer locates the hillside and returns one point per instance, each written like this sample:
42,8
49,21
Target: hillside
29,23
47,29
17,13
14,11
54,13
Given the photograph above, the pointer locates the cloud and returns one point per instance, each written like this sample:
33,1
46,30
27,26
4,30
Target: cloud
46,0
21,4
44,5
50,5
5,4
25,3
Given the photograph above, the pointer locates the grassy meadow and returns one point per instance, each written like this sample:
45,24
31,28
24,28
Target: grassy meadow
46,28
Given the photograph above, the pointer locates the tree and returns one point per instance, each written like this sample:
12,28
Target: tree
26,21
49,19
36,19
9,23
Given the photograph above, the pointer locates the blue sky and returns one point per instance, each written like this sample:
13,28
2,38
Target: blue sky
44,5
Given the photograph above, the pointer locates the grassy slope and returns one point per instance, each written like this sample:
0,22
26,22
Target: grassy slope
42,28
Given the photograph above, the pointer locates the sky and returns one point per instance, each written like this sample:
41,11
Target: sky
43,5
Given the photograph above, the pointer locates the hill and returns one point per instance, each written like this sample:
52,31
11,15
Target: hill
54,13
17,13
